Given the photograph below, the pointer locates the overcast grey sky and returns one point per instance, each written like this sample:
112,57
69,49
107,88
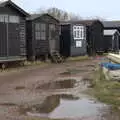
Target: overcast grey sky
108,9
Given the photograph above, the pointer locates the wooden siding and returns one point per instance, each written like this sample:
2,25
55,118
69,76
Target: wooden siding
29,37
22,37
93,43
95,39
97,36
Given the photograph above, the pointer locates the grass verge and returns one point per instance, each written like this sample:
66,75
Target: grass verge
79,58
104,90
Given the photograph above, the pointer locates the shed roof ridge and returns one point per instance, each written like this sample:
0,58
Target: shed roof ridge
4,3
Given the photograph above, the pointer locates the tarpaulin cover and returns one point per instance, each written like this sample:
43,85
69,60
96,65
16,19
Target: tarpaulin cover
110,66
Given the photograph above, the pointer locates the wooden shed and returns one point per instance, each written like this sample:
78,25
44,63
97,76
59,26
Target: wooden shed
12,32
81,37
111,40
42,35
112,25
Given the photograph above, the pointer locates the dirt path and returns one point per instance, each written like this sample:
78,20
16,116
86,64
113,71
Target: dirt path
30,87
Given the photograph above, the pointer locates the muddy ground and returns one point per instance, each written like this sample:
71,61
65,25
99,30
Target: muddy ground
36,92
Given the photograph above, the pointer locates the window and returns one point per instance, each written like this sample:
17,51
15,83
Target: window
37,27
1,18
42,27
40,31
37,35
79,32
4,18
14,19
9,19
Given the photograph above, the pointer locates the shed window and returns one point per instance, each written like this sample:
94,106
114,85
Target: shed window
37,27
40,31
43,31
79,32
4,18
9,19
13,19
1,18
37,35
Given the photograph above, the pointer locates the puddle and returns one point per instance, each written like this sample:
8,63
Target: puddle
19,87
66,106
7,104
67,83
93,66
49,104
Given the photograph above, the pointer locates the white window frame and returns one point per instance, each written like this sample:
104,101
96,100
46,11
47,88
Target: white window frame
78,32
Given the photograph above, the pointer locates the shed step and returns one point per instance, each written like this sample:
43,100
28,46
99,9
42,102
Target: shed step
56,57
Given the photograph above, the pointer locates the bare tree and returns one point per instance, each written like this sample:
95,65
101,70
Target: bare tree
74,17
57,13
96,17
60,14
64,16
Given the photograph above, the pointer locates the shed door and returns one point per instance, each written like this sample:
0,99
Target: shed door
3,39
13,39
52,38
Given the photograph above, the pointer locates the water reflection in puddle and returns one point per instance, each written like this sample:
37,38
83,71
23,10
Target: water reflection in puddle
78,108
67,106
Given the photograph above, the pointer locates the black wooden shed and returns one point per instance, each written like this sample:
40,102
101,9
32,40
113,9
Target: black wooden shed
12,32
111,40
81,37
111,25
42,35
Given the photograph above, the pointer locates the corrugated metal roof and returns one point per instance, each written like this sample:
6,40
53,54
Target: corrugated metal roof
110,32
111,24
